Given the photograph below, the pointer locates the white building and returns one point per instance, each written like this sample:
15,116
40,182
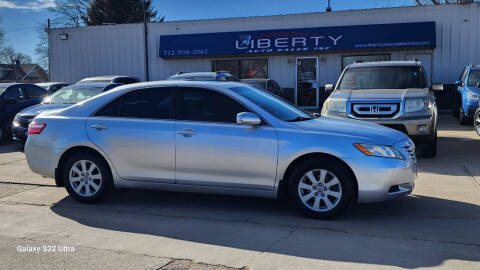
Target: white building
302,52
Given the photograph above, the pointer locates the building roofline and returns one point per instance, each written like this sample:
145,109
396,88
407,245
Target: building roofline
339,12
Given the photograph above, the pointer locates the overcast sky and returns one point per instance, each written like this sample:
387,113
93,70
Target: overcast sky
19,18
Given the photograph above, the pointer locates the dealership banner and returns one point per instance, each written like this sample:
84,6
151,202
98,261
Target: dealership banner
374,36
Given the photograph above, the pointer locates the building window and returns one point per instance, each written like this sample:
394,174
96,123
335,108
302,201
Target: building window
350,59
243,69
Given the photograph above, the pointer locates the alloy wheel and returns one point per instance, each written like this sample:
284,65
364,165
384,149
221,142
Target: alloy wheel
85,178
320,190
477,123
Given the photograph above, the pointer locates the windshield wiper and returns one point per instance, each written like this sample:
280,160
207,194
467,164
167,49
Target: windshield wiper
300,118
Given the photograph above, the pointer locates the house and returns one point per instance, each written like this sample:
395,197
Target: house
22,73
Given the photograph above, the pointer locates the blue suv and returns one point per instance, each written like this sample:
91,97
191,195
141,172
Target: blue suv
15,97
466,102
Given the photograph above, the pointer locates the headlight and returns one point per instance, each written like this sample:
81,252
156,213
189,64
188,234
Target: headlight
473,96
379,150
337,105
416,104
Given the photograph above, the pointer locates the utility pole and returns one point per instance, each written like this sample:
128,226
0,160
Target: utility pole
145,34
329,8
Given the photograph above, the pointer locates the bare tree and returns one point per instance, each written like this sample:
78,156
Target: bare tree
9,56
70,13
41,50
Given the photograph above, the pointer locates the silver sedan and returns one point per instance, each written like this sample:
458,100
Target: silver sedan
224,138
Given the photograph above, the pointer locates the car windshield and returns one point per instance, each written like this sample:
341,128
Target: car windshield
72,95
276,106
259,85
474,78
383,77
2,89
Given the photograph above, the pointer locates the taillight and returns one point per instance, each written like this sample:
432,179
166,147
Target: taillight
36,127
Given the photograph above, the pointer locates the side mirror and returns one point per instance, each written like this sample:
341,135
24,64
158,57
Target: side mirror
437,87
329,88
458,83
249,119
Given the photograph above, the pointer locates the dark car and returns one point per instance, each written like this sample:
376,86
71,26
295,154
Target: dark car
110,79
266,85
63,98
15,97
222,76
52,87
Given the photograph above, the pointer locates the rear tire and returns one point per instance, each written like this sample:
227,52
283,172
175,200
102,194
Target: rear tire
6,132
456,106
86,177
321,188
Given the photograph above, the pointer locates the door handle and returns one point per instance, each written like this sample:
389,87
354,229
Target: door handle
187,132
99,126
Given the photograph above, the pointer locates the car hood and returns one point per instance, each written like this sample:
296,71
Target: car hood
380,93
362,131
35,110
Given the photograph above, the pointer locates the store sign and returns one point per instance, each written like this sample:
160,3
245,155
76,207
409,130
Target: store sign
376,36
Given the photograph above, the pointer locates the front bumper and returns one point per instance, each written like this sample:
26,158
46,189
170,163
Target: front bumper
471,108
19,133
414,125
382,179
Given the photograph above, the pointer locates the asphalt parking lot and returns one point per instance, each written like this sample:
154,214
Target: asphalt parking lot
437,226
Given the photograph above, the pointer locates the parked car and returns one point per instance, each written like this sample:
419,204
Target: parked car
266,85
468,96
227,138
476,121
110,79
396,94
61,99
204,76
52,87
15,97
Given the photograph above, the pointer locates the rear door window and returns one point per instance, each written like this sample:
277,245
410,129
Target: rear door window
153,103
15,92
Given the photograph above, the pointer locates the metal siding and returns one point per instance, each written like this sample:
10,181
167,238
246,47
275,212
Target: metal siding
119,49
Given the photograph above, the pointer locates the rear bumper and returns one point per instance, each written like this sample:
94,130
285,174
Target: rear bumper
41,159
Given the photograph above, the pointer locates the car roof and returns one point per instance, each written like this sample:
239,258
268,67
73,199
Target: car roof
106,77
172,83
50,83
385,64
255,80
14,83
93,85
474,67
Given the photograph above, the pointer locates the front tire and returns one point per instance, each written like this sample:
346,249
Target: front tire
462,118
430,149
476,121
86,177
321,188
